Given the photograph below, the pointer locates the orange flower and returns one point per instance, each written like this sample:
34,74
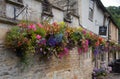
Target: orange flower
100,39
19,43
97,43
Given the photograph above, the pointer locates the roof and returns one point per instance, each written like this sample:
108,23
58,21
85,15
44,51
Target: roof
99,3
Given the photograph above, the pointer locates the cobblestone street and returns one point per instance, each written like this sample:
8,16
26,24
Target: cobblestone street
114,76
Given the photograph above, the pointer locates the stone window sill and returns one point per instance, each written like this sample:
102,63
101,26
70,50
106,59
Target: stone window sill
75,15
8,20
90,19
47,13
15,3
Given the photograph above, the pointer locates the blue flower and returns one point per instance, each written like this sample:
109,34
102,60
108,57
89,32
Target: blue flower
59,38
51,41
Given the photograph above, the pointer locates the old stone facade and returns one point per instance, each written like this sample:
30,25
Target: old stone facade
73,66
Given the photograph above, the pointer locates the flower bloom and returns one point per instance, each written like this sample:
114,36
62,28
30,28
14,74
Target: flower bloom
66,51
32,26
40,25
54,24
100,39
79,50
61,55
84,32
51,41
97,43
38,37
42,41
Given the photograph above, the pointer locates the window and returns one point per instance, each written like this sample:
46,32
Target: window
91,9
70,8
46,8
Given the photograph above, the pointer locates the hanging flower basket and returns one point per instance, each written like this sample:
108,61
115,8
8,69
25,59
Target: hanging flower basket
46,40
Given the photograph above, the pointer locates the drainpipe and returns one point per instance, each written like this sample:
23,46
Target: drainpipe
108,40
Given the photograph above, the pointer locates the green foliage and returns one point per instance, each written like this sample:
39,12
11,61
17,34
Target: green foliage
12,36
115,12
76,36
40,31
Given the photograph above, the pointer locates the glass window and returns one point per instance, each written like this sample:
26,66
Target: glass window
91,9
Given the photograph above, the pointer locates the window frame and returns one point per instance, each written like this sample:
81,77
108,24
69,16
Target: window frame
91,10
16,3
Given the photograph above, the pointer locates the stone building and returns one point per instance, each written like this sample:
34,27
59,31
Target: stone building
75,12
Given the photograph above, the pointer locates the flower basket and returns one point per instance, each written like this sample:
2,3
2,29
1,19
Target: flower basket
46,40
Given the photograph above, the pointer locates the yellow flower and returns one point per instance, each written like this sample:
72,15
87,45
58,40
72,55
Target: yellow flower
80,28
62,24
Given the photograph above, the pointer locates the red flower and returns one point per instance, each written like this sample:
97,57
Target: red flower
54,24
97,43
100,39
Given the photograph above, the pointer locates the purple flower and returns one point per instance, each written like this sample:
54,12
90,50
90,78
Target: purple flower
96,51
42,42
51,41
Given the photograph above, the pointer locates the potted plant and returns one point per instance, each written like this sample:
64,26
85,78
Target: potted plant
99,73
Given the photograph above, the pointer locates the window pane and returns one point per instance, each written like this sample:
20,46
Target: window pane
90,13
91,5
91,8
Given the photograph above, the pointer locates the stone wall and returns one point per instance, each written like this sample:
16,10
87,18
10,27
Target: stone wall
73,66
2,8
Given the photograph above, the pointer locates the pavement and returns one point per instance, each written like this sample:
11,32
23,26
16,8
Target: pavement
114,76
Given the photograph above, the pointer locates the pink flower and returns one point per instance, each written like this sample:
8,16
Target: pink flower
91,33
38,37
32,26
84,32
79,50
61,55
54,24
20,25
40,25
66,51
87,42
